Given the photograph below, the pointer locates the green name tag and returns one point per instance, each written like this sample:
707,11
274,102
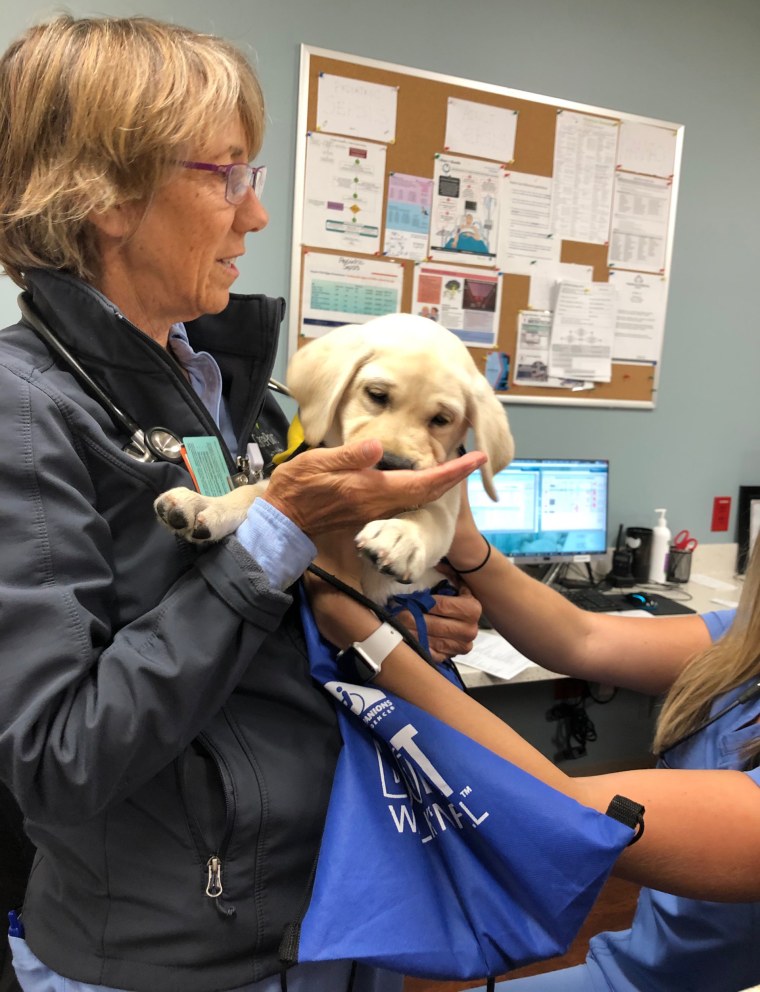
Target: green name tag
204,458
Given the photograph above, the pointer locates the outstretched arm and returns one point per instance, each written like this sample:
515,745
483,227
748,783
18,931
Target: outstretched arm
689,814
632,652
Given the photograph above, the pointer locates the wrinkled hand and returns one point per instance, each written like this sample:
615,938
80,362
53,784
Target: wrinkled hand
330,488
452,625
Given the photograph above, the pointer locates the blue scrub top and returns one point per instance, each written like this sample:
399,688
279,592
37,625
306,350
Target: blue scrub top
686,945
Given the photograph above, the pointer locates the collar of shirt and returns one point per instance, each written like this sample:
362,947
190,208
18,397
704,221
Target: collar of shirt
202,370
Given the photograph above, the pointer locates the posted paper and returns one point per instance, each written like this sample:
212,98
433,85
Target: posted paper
343,194
640,320
584,170
639,234
582,332
465,218
480,129
339,289
465,301
356,108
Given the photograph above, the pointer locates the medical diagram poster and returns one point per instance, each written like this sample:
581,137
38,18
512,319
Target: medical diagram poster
465,222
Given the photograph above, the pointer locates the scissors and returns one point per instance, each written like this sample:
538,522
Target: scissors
683,541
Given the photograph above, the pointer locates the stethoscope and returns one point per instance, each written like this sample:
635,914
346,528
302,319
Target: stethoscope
752,692
151,445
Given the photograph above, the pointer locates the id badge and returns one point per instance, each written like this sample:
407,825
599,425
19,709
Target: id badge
207,465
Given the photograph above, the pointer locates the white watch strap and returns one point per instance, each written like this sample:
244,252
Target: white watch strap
380,643
370,653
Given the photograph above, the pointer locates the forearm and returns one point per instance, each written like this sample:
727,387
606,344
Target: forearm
645,654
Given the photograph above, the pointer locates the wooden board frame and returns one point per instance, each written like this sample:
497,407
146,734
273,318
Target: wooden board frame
419,137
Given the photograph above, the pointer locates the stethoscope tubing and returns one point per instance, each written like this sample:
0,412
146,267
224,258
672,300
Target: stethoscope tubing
154,444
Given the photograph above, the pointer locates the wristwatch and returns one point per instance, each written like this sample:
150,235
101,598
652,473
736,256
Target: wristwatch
368,655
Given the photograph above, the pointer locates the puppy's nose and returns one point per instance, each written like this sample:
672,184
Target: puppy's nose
390,462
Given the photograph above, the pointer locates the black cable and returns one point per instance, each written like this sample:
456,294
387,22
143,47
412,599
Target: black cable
380,612
574,727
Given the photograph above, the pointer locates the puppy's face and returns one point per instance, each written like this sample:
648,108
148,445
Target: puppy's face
410,402
406,381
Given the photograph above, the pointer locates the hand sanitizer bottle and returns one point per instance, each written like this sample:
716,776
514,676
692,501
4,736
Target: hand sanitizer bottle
658,560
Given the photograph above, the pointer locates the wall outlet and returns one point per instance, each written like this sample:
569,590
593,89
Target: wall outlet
721,512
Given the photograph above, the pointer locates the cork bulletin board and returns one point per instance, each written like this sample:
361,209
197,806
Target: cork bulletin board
567,206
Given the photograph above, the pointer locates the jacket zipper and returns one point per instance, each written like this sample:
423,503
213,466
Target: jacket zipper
213,855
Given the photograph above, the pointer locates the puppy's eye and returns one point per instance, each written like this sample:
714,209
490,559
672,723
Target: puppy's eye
378,396
440,420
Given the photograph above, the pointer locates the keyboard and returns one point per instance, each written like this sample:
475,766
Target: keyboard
595,601
608,602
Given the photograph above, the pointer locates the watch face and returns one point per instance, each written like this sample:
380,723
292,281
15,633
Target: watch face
356,664
367,667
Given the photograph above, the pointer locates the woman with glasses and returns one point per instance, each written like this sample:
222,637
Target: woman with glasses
158,725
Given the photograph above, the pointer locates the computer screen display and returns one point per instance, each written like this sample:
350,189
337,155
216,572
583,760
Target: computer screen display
549,509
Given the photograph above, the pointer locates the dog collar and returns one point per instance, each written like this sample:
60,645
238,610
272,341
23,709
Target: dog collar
296,442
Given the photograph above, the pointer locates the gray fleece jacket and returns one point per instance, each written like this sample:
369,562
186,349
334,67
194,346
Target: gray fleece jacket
157,719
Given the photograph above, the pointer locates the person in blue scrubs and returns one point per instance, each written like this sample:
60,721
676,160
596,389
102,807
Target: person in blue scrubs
698,859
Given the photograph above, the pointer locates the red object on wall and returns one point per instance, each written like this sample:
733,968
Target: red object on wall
721,513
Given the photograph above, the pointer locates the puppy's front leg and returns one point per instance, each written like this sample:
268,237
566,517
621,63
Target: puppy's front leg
406,546
200,518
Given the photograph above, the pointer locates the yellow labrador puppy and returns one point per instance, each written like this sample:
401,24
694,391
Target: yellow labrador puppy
408,382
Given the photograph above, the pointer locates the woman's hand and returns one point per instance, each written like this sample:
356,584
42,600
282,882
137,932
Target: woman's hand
452,625
326,489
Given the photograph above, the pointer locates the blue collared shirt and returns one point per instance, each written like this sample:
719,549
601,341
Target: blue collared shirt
281,549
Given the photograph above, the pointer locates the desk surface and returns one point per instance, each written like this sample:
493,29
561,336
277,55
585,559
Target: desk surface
713,586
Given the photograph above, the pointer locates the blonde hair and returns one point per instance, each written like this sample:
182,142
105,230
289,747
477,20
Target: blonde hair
728,663
96,112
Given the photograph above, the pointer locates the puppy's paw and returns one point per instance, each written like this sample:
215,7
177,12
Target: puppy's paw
183,512
201,519
394,548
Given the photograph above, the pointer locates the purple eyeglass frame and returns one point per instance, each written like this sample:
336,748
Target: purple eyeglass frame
256,175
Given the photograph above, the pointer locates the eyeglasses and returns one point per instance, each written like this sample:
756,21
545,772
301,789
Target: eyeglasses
240,178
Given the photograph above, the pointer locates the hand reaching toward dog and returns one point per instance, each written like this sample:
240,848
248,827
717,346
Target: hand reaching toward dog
332,488
452,625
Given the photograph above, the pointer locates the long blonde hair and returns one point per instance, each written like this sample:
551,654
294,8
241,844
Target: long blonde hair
96,112
728,663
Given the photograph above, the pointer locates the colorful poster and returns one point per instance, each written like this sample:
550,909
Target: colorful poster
340,289
465,301
407,216
465,219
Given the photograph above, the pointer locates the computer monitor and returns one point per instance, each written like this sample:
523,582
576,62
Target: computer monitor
550,510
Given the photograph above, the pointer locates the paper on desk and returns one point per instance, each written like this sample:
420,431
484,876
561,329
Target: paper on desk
707,580
729,604
491,653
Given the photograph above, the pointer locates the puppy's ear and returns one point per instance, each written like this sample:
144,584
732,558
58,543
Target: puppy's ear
491,428
319,374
